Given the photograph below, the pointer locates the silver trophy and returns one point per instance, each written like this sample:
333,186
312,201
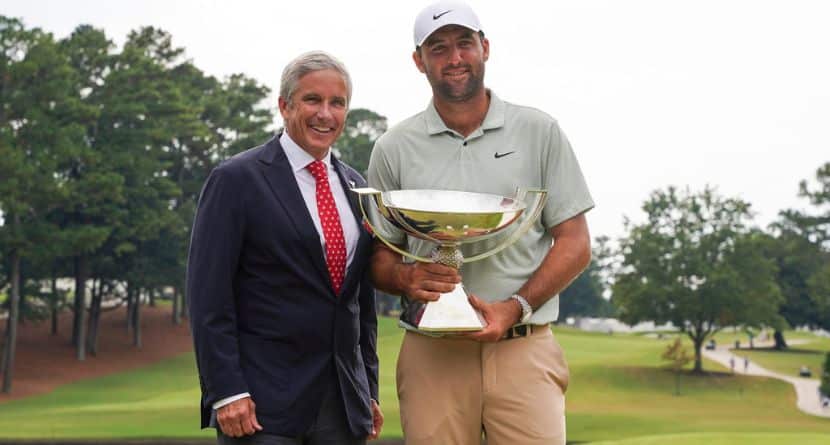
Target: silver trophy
449,219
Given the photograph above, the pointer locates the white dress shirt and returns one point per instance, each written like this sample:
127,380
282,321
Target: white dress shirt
299,159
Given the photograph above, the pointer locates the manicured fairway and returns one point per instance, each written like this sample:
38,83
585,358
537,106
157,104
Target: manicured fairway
724,439
789,361
618,393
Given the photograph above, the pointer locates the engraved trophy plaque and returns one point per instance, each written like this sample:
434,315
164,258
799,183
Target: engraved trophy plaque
450,219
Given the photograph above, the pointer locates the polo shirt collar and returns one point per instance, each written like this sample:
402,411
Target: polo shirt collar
299,158
493,119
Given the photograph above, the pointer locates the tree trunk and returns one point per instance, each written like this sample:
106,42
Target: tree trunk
54,308
152,294
21,294
11,322
698,344
183,301
780,343
80,306
177,319
130,306
94,319
137,319
3,339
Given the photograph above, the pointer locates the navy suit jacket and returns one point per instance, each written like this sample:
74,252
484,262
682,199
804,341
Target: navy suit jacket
264,315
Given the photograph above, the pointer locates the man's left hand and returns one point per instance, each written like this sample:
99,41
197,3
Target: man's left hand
500,316
377,421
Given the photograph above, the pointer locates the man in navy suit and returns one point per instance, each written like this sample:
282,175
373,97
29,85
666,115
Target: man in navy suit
282,312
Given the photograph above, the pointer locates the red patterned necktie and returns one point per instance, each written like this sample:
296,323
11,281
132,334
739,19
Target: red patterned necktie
330,222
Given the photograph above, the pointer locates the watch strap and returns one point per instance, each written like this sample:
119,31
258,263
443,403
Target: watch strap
527,310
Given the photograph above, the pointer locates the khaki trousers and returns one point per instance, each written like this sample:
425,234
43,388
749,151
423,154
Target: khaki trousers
451,390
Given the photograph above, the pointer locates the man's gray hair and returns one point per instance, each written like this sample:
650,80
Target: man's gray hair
308,63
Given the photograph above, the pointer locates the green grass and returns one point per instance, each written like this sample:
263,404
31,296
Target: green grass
729,335
618,390
155,401
810,353
789,361
618,393
724,439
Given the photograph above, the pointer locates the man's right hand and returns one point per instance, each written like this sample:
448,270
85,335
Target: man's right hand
426,281
238,418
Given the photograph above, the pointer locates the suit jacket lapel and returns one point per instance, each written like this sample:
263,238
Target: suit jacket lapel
348,185
364,240
283,183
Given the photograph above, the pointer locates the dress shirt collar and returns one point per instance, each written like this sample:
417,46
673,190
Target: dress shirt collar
299,158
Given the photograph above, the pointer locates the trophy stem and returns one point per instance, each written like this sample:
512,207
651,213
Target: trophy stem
448,255
452,311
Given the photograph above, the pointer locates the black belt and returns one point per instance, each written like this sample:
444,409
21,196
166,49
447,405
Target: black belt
521,330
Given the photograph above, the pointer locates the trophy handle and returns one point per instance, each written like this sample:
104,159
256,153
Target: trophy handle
364,191
538,205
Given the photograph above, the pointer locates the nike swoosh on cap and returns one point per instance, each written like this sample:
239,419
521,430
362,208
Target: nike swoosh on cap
438,16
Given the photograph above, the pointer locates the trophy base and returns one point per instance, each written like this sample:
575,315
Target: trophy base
451,313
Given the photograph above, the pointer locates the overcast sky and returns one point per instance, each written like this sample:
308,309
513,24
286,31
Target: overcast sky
729,93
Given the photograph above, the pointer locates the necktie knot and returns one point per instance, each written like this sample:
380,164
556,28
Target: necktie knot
318,170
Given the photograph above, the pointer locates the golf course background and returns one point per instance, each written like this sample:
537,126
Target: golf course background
619,394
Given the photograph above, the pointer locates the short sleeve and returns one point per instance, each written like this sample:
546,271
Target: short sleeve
382,177
568,194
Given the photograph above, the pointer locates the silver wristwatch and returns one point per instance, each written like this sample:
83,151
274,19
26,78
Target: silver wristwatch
527,311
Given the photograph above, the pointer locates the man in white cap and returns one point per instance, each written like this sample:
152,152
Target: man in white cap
508,380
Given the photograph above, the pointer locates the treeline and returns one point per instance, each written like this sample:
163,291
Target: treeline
103,152
699,262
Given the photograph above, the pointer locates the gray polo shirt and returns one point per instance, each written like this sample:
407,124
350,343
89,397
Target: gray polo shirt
514,147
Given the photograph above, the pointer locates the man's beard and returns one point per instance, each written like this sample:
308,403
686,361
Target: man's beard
473,85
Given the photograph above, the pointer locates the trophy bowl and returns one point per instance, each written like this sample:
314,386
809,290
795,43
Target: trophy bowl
448,219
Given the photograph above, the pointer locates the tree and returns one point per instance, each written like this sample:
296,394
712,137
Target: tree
363,128
797,260
696,264
94,189
825,377
803,255
37,131
818,194
819,282
818,286
102,157
584,296
678,356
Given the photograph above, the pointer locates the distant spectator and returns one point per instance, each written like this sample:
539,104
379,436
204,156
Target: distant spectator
746,364
732,364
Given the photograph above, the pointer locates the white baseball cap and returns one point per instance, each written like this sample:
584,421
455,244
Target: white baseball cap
443,13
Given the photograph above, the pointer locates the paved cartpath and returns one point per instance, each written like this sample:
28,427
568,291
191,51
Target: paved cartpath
806,390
